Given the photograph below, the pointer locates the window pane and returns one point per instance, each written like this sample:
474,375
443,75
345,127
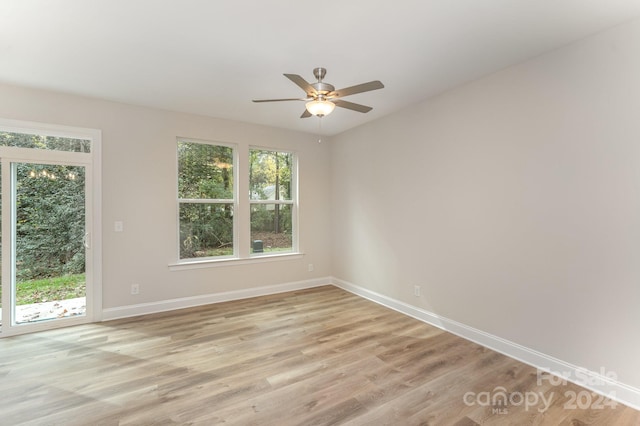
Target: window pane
270,175
206,230
271,228
205,171
23,140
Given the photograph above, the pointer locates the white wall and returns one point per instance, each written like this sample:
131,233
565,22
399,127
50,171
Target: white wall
139,188
514,202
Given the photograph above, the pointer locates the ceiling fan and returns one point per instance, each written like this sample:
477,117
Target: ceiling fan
322,97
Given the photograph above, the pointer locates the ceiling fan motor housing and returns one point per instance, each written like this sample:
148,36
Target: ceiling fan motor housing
323,88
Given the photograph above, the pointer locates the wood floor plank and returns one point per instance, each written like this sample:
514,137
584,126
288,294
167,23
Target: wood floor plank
312,357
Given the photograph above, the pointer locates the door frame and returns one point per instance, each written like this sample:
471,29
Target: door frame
93,209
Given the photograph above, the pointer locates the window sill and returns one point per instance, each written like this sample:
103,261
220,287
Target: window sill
215,263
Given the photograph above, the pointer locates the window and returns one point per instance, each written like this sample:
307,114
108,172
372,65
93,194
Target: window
272,199
206,199
213,224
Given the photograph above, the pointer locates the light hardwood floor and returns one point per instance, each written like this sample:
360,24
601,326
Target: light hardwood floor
313,357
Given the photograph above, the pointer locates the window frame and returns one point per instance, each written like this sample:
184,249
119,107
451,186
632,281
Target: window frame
233,202
293,202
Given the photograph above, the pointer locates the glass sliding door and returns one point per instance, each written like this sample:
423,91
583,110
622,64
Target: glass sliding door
49,242
1,247
49,186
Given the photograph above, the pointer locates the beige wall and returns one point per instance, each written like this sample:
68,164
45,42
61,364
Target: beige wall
514,202
139,188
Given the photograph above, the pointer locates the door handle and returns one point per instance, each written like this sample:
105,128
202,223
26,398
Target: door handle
86,240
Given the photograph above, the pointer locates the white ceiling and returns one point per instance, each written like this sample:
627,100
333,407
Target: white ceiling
212,57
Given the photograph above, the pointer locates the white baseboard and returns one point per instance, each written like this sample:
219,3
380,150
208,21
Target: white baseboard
206,299
594,381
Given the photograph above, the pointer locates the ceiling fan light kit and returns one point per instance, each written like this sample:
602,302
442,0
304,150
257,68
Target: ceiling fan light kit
320,108
322,97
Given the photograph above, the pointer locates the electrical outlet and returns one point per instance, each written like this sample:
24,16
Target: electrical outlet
416,290
118,226
311,267
135,289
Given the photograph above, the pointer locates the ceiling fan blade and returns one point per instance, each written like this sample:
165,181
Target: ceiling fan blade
278,100
302,83
359,88
350,105
305,114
